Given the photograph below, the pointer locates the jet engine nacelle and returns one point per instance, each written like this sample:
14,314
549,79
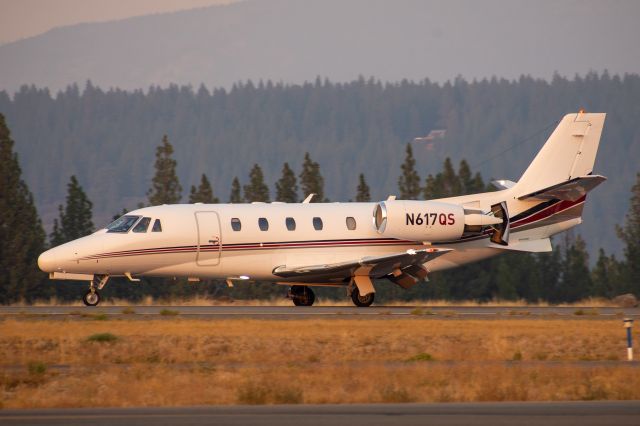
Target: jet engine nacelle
419,220
431,221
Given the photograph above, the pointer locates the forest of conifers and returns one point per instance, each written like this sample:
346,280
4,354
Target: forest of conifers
108,138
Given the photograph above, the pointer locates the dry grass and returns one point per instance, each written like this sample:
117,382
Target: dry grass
242,361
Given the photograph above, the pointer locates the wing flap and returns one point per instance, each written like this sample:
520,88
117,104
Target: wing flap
372,266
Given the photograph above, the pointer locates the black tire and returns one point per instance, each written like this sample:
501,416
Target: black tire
301,295
362,301
91,298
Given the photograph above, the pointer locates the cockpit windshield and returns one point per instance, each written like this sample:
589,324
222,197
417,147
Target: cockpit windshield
122,224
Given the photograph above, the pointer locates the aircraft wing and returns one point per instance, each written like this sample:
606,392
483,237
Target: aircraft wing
371,266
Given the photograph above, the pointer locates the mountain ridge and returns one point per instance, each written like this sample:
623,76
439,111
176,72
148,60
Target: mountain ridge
294,41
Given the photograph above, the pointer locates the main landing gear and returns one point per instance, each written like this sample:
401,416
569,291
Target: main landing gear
361,301
92,297
301,295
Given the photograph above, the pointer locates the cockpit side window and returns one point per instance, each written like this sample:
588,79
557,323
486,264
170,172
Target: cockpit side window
123,224
157,226
143,225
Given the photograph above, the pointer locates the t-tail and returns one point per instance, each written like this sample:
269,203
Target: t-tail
550,195
563,168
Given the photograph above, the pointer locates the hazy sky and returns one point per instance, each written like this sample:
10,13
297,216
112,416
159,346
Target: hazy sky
294,41
26,18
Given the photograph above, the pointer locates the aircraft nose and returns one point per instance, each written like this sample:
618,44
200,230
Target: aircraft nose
47,261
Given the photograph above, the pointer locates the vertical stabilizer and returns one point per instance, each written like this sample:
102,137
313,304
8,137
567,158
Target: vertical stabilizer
570,152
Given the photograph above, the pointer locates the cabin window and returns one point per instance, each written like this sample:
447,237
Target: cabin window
317,223
236,225
351,223
122,224
143,225
157,226
263,223
291,224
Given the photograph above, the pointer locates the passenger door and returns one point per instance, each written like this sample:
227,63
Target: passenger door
209,239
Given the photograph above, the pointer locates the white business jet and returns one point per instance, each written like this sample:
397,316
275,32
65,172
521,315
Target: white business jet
343,244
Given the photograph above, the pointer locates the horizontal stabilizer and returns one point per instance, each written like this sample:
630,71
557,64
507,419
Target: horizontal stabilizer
532,246
571,190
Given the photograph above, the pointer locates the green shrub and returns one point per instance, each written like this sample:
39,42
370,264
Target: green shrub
37,368
169,313
252,394
395,394
423,356
288,396
96,317
102,338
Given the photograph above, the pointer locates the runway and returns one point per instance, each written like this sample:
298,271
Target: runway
620,413
377,312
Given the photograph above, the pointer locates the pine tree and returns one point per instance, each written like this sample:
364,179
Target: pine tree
165,187
506,280
287,186
256,190
549,267
469,184
630,235
236,192
409,180
576,278
606,280
363,194
204,192
450,181
311,180
431,189
21,234
75,220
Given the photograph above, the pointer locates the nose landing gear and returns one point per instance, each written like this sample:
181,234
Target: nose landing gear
92,297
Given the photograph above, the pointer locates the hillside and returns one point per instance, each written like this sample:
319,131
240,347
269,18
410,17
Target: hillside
108,138
293,41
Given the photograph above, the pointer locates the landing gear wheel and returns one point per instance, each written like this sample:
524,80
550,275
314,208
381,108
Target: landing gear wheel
301,295
91,298
362,301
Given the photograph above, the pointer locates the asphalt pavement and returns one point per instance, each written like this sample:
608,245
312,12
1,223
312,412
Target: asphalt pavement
618,413
379,312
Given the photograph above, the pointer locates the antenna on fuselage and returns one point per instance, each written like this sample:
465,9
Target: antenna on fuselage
309,198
